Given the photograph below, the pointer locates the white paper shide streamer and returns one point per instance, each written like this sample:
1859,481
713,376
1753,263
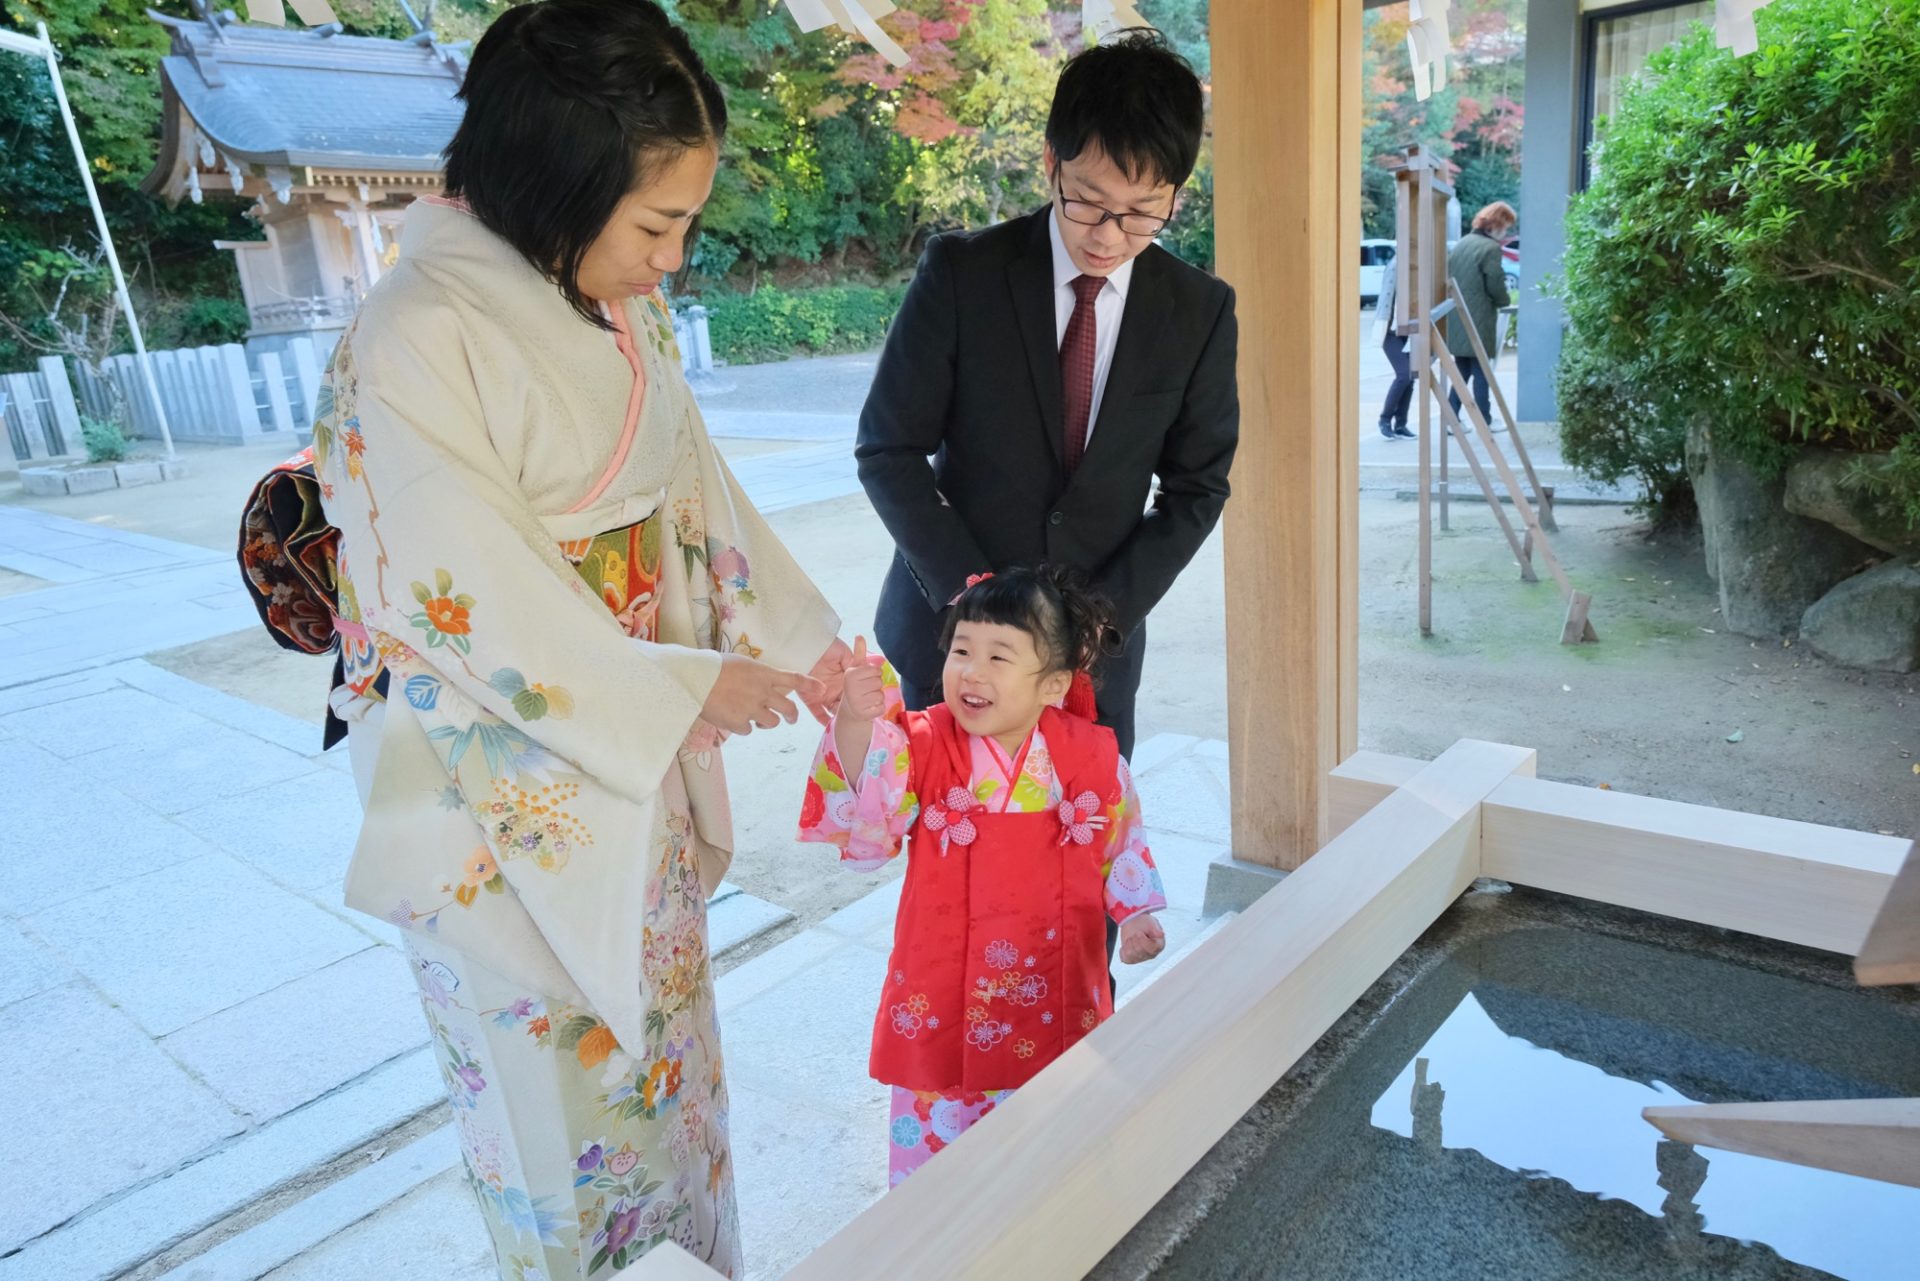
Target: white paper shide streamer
1101,18
1733,25
855,17
1428,41
272,13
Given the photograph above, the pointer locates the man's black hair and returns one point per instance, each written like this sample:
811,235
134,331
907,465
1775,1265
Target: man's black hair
1137,100
571,105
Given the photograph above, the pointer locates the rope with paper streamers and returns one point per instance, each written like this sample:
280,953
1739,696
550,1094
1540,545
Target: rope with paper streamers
1098,20
855,17
1733,25
273,13
1428,41
1101,18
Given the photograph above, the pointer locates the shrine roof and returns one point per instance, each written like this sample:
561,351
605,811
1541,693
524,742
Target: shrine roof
299,98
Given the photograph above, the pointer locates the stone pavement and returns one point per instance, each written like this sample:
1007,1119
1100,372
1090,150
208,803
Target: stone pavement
808,1125
198,1015
197,1021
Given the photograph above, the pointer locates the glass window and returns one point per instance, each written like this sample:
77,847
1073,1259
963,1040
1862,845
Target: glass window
1619,46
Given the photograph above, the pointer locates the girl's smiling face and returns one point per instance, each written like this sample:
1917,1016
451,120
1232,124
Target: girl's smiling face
996,682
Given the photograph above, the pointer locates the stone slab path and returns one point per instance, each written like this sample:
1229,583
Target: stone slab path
196,1019
808,1125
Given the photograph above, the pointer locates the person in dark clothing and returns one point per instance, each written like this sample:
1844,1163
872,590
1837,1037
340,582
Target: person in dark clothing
1476,266
1044,373
1393,410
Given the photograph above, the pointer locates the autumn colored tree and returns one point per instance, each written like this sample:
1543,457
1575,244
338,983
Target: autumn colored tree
1474,121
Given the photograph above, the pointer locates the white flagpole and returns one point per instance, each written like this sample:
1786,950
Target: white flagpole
43,48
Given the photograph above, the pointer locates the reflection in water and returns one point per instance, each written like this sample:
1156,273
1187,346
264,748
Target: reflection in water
1539,1112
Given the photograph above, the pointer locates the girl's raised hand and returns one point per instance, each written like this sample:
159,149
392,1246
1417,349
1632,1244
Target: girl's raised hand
830,671
864,698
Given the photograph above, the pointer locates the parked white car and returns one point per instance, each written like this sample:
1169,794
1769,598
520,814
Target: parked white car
1376,258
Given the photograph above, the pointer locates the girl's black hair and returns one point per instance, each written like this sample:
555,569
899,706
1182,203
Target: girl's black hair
1138,100
1071,624
571,105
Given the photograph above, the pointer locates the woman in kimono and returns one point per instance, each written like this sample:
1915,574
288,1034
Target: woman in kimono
1024,835
572,602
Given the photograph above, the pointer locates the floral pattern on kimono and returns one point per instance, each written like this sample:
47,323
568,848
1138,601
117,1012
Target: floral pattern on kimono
868,815
543,803
869,823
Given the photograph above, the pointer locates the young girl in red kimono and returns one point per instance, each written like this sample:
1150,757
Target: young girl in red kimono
1024,836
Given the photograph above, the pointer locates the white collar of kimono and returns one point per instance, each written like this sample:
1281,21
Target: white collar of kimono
1065,273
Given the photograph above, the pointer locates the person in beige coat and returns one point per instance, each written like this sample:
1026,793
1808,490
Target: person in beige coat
573,604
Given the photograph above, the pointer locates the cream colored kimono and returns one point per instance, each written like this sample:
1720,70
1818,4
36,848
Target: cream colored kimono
543,550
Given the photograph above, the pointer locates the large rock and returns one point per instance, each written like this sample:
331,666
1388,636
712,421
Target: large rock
1872,620
1770,564
1816,487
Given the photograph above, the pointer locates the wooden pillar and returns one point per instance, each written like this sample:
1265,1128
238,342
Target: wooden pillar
1286,137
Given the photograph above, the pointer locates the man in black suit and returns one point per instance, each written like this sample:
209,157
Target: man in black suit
1043,372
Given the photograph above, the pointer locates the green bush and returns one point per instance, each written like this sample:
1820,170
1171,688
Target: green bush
1749,250
105,442
773,323
1610,430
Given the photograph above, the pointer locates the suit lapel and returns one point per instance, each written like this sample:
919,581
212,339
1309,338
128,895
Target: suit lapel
1142,321
1030,282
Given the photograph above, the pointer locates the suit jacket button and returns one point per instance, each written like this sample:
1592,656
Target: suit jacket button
1058,518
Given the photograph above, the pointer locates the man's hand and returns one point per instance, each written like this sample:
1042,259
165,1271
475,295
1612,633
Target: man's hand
1141,938
830,671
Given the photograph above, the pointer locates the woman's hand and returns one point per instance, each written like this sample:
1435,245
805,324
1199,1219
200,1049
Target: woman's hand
1141,939
751,693
830,671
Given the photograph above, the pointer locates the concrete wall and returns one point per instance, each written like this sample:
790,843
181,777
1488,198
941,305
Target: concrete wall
1549,172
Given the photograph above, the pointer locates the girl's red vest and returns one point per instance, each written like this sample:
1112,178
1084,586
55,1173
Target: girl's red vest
999,950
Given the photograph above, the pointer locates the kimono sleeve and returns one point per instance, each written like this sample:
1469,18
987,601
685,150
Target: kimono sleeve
1133,882
763,603
866,811
443,555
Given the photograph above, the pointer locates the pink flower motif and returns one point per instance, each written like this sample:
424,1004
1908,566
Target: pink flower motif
1077,821
950,820
730,566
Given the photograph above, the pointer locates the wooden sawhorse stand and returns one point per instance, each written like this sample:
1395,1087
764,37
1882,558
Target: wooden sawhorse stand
1424,296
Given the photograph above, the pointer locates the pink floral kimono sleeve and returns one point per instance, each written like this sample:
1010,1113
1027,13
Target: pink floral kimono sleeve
866,811
1133,882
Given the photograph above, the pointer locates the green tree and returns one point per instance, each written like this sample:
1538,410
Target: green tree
1748,253
110,51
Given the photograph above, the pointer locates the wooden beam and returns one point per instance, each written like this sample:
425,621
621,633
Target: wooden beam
1067,1166
1361,782
1871,1138
1797,882
1286,182
1891,953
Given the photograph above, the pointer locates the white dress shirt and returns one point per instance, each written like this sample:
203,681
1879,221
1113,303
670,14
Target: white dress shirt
1108,306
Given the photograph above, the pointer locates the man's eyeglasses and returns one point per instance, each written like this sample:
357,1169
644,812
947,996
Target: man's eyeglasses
1092,215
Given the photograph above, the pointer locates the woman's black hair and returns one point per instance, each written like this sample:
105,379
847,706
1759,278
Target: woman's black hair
1137,100
1071,624
571,105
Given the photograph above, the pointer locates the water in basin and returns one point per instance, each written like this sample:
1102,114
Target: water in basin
1488,1126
